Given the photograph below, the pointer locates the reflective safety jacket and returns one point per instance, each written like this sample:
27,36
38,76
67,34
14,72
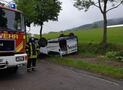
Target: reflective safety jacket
31,50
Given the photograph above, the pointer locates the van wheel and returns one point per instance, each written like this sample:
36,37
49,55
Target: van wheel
61,35
71,35
42,42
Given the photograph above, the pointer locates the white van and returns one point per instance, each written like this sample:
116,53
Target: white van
62,46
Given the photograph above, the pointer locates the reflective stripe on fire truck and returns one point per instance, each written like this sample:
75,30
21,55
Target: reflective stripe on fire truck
19,47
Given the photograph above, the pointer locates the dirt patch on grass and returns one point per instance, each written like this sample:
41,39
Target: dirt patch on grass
98,60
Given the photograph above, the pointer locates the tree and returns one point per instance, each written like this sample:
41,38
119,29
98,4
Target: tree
46,10
39,11
26,6
103,7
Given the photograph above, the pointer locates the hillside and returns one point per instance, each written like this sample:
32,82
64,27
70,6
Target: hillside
94,35
99,24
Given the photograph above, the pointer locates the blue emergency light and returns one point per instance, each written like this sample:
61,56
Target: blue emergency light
12,5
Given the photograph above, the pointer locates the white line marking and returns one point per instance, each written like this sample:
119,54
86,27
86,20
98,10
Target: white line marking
111,82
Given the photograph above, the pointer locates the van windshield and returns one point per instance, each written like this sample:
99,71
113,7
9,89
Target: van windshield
11,20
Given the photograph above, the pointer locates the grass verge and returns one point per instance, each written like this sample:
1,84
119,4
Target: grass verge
109,71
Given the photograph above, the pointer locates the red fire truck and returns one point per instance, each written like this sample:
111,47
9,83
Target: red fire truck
12,38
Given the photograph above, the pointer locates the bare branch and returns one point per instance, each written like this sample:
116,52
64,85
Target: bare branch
100,6
115,6
105,5
94,3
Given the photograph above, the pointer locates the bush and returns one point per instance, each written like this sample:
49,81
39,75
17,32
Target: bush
98,49
111,54
94,48
117,55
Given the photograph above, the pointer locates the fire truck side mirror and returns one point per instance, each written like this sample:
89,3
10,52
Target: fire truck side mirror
42,42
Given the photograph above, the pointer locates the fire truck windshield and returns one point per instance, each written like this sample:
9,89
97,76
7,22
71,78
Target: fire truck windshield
11,20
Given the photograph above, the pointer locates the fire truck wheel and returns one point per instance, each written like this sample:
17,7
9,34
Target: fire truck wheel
42,42
13,69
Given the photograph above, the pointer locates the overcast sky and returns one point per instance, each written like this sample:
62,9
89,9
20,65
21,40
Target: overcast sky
70,17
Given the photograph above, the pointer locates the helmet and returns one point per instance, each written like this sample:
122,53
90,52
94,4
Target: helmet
31,39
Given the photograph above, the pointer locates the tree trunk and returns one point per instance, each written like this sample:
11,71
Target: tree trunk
104,41
41,30
29,28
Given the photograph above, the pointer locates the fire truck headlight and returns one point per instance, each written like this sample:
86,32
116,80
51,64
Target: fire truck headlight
19,58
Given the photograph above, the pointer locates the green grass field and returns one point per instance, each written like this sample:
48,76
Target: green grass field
115,35
89,46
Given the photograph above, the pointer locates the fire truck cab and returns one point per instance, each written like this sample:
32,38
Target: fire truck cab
12,38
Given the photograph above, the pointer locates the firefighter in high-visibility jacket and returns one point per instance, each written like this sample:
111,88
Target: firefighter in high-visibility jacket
31,49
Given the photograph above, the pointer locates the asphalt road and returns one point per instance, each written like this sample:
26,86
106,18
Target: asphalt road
49,76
